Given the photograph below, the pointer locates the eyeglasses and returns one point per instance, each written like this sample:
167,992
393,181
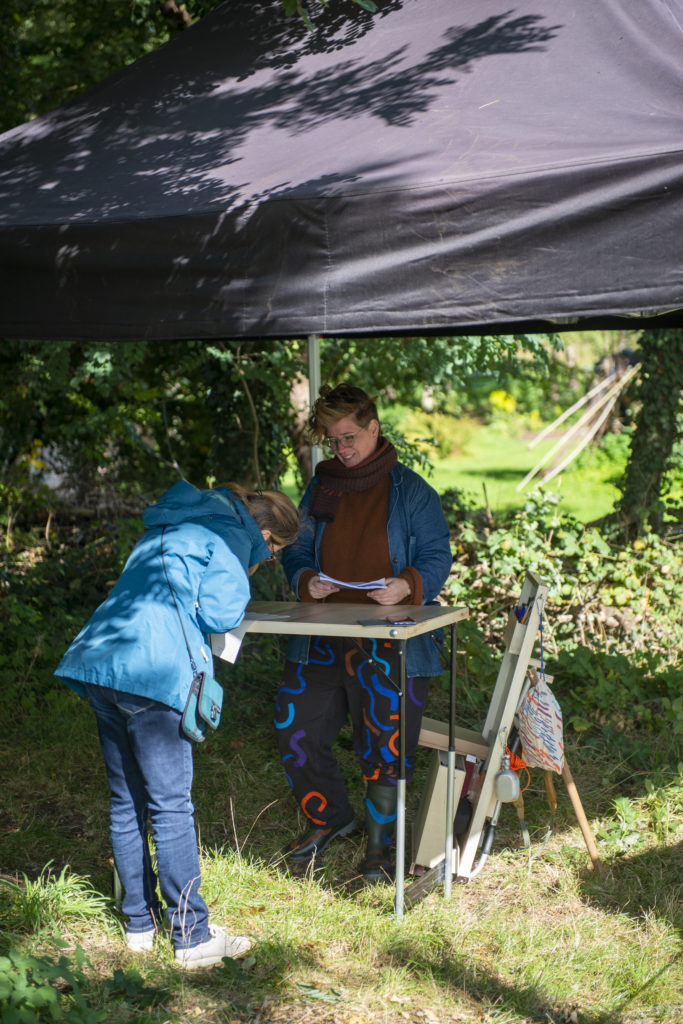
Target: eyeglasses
343,441
274,546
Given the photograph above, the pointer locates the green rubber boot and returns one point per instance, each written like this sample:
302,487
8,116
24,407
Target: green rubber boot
380,825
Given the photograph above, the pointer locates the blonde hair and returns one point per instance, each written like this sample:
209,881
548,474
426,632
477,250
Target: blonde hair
272,511
336,403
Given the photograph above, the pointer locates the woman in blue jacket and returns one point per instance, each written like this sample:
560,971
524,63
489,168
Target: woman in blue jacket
131,661
364,517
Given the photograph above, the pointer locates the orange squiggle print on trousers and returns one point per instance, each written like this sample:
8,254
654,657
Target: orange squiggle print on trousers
323,805
392,742
369,725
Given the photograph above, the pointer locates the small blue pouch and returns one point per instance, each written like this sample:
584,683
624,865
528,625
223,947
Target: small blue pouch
203,707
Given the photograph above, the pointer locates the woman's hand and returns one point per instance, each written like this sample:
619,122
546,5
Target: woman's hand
395,591
318,589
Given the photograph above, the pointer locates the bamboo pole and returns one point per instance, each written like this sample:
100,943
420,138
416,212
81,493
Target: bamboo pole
615,389
562,441
572,408
589,437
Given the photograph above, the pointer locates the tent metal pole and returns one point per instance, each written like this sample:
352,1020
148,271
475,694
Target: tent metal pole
314,382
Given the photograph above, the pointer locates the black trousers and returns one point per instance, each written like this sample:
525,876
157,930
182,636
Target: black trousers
315,700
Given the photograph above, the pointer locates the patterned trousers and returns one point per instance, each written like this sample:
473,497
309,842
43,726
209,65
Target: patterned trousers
315,700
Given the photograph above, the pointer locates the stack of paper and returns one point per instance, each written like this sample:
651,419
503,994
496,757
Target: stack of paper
370,585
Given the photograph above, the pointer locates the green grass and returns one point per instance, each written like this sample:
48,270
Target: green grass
498,458
538,937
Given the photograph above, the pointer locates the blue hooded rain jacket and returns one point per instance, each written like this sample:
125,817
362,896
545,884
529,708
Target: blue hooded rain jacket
134,642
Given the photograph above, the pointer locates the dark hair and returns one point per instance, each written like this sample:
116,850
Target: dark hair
336,403
272,511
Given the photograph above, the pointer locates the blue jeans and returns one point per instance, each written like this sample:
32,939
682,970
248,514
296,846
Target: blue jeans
149,768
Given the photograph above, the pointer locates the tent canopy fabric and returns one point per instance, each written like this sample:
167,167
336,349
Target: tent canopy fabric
442,166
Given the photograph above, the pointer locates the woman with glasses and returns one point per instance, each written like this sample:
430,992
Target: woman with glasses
365,517
187,577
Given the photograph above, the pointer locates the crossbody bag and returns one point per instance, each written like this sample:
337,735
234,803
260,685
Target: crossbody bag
205,699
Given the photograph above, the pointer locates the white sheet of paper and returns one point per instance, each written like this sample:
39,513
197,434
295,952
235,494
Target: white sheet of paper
232,642
370,585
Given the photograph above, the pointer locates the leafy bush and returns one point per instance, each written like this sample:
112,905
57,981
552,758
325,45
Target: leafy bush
31,990
431,433
40,988
611,629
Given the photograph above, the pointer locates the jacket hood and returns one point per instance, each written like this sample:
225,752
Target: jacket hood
184,502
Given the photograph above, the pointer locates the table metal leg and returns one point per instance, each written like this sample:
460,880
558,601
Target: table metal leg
401,785
450,782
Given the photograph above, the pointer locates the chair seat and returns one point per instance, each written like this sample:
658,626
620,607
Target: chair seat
434,734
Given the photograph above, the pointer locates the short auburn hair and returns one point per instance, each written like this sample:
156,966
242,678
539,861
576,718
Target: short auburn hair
336,403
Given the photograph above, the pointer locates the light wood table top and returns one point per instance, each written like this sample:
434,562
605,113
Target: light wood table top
355,620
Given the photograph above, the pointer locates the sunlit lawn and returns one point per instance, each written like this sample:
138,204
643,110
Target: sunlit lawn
498,461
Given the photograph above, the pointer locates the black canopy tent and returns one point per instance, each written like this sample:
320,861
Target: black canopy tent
447,166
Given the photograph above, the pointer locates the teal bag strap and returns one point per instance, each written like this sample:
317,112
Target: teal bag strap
180,618
205,699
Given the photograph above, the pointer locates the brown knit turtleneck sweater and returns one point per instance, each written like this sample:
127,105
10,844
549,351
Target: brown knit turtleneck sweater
355,547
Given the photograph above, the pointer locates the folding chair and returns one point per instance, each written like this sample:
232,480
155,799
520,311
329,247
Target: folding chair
480,758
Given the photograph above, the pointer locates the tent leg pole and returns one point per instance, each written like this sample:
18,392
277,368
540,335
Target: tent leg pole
314,382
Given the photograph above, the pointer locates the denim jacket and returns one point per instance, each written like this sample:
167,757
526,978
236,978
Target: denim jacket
418,536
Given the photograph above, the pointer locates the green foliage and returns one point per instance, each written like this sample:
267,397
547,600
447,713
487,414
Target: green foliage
248,395
50,53
130,986
118,423
392,367
582,565
412,451
635,822
623,698
537,387
48,592
31,990
435,435
624,832
303,9
40,988
652,487
612,633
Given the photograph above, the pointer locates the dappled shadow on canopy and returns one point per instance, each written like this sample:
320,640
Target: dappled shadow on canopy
432,167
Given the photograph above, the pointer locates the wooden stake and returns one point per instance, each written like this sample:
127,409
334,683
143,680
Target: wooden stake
580,816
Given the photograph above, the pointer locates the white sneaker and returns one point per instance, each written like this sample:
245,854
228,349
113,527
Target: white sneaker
212,950
140,942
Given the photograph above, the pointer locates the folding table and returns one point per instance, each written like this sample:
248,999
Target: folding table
359,621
